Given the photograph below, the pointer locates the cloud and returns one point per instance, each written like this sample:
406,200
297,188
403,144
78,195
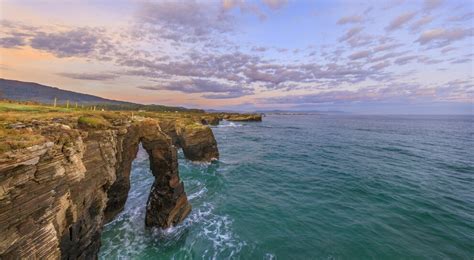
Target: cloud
421,22
198,47
77,42
441,37
350,19
194,85
259,49
245,7
12,42
239,69
454,91
381,65
225,96
367,94
387,56
406,59
428,60
462,18
399,21
188,21
462,60
386,47
392,3
248,6
360,55
448,49
429,5
286,77
227,66
89,76
360,40
351,33
275,4
60,40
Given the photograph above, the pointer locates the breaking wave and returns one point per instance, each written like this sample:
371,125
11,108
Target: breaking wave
225,124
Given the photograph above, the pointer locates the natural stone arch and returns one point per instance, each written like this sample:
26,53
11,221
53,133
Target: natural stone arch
56,196
167,203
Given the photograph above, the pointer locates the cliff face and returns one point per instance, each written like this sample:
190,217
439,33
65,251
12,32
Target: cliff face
55,197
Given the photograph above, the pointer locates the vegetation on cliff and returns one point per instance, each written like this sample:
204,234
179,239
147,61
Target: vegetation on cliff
64,173
93,121
22,124
11,139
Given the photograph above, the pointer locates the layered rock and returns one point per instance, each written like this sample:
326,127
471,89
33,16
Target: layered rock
243,117
196,140
55,197
211,119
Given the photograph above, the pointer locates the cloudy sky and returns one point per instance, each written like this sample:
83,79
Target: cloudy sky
356,56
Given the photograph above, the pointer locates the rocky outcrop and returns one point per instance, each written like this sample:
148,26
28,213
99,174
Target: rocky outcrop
243,117
197,141
55,197
211,119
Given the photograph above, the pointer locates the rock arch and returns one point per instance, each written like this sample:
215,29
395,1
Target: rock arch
55,197
167,203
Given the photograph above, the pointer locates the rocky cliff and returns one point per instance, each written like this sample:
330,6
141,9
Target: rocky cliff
243,117
56,196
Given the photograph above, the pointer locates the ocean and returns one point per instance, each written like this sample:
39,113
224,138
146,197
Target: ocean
316,187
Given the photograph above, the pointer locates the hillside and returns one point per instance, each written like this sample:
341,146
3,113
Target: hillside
30,91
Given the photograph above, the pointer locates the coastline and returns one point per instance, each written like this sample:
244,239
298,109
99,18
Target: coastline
64,176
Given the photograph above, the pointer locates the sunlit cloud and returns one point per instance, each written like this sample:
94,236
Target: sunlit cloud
249,51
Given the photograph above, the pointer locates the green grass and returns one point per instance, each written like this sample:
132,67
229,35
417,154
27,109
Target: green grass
12,139
93,121
26,113
17,107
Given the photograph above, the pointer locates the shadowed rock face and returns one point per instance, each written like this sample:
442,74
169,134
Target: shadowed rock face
56,197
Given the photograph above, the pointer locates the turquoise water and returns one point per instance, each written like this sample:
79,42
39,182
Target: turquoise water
317,187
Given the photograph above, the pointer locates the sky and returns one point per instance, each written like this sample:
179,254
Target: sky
371,57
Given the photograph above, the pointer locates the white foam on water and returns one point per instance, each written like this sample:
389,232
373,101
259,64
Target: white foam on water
200,164
218,230
128,237
197,194
132,238
228,124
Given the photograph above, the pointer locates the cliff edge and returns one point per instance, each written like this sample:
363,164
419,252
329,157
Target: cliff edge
62,179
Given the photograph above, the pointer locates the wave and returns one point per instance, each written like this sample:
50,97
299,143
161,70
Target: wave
228,124
218,230
126,237
197,194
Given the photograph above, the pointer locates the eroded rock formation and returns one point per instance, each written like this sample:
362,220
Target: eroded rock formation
196,140
55,197
243,117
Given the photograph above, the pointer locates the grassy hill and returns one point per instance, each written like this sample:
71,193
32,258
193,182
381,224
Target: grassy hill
30,91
